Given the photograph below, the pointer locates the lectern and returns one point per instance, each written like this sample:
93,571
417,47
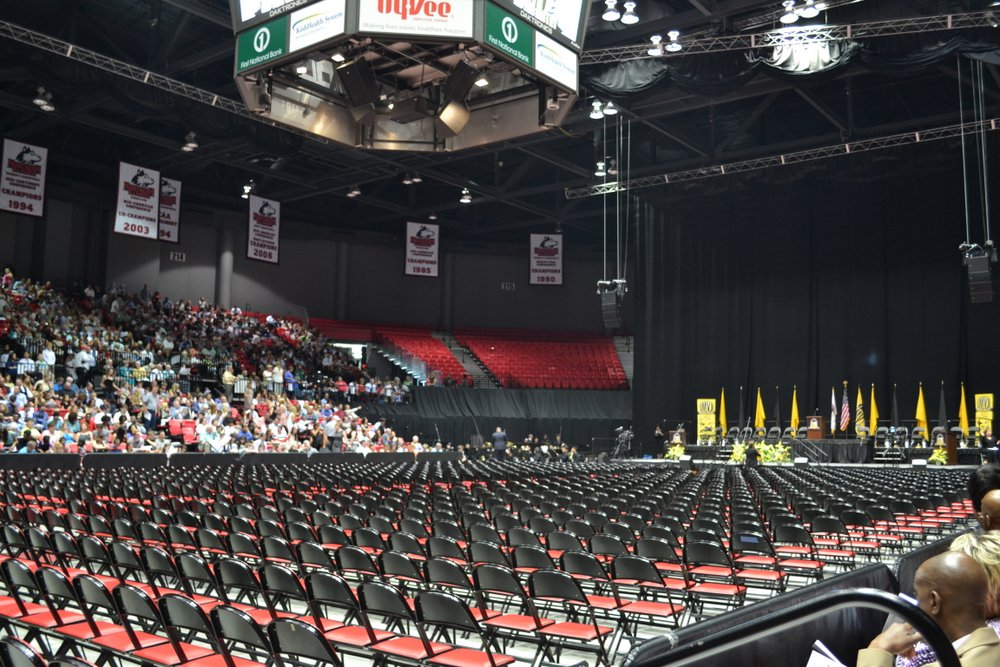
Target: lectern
815,427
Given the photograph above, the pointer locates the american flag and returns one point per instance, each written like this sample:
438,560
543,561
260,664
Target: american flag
845,413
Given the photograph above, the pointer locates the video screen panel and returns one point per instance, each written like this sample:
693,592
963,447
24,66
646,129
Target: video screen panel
563,20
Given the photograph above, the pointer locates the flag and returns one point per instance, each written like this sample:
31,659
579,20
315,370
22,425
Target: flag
833,411
722,412
963,414
777,408
795,411
873,412
922,411
759,416
895,409
859,413
942,411
845,412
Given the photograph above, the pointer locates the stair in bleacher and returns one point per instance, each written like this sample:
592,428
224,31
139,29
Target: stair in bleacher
481,376
624,346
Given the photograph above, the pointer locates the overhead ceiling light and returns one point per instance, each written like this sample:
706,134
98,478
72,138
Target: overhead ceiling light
466,197
673,46
810,10
790,16
354,192
407,180
596,113
249,188
612,167
432,216
43,99
600,170
301,68
610,109
417,179
338,57
190,142
611,13
482,81
630,17
656,50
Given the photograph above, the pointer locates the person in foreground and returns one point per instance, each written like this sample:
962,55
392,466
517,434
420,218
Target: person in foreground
952,589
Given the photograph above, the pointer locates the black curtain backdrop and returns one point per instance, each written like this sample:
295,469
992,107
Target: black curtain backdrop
457,414
850,272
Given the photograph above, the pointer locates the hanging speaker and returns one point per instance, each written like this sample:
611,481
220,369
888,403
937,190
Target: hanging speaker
359,82
452,119
980,278
611,310
459,82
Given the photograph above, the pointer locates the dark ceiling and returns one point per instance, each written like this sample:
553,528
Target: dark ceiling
517,186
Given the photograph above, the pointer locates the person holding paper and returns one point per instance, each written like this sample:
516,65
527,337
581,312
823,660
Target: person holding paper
952,589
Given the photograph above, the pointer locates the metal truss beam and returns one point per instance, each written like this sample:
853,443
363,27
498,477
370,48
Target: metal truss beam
804,35
835,150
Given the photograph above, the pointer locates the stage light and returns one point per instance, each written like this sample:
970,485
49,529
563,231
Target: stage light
790,16
43,100
610,109
630,17
612,167
482,81
596,113
190,142
250,187
673,46
354,192
600,170
466,197
407,180
416,178
656,50
432,216
338,57
301,68
611,12
810,10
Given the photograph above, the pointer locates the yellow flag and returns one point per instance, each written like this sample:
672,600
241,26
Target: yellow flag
722,412
963,414
795,410
859,412
759,417
873,412
922,412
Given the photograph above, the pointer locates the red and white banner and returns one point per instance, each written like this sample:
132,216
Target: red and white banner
432,18
422,244
138,209
22,179
546,262
170,210
265,221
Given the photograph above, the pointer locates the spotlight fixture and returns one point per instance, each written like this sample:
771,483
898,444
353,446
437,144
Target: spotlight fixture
407,180
611,13
610,109
810,10
190,142
416,178
630,17
482,81
249,188
43,99
612,167
338,57
432,216
466,197
355,191
673,46
596,112
790,16
301,68
656,50
600,169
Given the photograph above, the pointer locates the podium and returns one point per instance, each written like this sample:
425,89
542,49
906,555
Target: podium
815,427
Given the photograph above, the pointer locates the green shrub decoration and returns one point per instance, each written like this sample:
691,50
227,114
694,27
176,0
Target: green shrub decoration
766,453
675,452
939,457
739,454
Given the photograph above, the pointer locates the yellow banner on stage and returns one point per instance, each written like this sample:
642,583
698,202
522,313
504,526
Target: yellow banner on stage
984,413
706,418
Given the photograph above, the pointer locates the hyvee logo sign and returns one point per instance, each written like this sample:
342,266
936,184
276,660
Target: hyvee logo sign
407,8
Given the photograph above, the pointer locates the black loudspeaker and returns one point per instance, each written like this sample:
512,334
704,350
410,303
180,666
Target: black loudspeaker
459,82
980,279
611,310
409,110
359,82
452,119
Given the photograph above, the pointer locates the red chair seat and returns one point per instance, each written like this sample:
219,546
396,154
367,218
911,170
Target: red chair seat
356,635
467,657
518,622
711,588
652,608
46,619
164,654
84,631
121,641
410,647
571,630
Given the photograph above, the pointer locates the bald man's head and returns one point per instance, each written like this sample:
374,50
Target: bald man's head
952,587
989,514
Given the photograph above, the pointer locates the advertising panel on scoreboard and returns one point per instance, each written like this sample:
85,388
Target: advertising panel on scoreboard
563,20
248,13
555,61
22,178
442,19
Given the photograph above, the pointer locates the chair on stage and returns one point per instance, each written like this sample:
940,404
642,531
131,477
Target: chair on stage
733,435
918,437
788,433
803,433
881,434
746,433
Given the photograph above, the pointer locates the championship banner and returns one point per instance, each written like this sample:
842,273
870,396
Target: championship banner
706,418
422,249
22,179
262,236
138,209
984,414
170,210
546,260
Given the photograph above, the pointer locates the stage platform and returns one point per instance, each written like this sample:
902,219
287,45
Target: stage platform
841,451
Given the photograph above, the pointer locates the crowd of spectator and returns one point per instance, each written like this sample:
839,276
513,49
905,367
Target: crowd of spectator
88,370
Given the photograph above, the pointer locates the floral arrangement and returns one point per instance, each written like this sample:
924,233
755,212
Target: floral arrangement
675,452
739,454
766,453
939,457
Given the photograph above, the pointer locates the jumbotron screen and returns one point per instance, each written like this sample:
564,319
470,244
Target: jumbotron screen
248,13
563,20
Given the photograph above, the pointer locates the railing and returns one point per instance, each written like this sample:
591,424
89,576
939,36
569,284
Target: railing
648,655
